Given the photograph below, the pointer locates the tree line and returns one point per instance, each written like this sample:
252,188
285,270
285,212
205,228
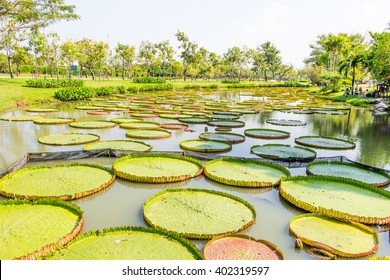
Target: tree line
335,59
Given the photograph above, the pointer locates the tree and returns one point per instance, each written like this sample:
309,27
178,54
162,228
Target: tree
17,15
92,56
268,58
69,54
354,59
378,61
126,54
188,54
147,55
237,59
9,44
165,54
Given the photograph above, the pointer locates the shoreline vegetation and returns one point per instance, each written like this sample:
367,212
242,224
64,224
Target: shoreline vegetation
22,92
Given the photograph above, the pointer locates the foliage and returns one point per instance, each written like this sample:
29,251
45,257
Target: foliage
149,80
46,83
379,56
75,93
203,86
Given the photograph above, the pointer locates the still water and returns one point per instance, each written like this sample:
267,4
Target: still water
121,204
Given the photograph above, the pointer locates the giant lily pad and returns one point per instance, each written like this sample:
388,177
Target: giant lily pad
31,229
92,124
61,139
349,170
245,172
121,145
140,125
125,120
62,182
241,247
227,123
266,133
325,142
194,120
199,214
42,110
53,120
157,168
148,133
20,118
338,237
127,243
221,136
283,152
206,146
339,198
286,122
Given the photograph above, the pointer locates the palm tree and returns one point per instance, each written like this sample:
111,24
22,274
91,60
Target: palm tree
351,62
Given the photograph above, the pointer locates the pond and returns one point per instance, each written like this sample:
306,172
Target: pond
121,204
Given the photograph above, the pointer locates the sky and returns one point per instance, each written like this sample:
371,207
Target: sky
217,25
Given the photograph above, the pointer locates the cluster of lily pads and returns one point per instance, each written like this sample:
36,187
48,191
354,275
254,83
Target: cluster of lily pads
342,198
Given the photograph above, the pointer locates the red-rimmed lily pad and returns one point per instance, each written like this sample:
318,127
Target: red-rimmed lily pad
241,247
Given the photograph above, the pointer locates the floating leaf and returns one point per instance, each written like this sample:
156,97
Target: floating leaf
122,145
283,152
68,139
205,146
31,229
157,168
127,243
266,133
199,214
338,237
61,182
325,142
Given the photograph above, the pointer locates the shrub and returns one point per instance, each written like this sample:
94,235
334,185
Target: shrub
210,86
75,93
230,81
149,80
151,87
47,83
105,91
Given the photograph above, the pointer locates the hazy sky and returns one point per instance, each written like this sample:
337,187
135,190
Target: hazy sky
291,25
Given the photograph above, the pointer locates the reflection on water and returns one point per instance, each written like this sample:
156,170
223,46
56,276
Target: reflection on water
121,203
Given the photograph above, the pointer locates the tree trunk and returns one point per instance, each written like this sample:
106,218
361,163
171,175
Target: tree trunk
11,73
353,80
123,69
265,75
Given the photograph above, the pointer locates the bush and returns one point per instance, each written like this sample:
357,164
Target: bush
45,83
105,91
284,84
75,93
198,87
149,80
121,89
155,87
230,81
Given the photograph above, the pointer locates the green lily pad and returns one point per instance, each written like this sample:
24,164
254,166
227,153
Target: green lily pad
144,115
148,133
20,118
199,214
157,168
265,133
61,182
241,247
205,146
245,172
349,170
174,116
338,237
121,145
283,152
125,120
325,142
224,137
140,125
61,139
53,120
286,122
227,123
31,229
193,120
92,124
339,198
127,243
42,110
